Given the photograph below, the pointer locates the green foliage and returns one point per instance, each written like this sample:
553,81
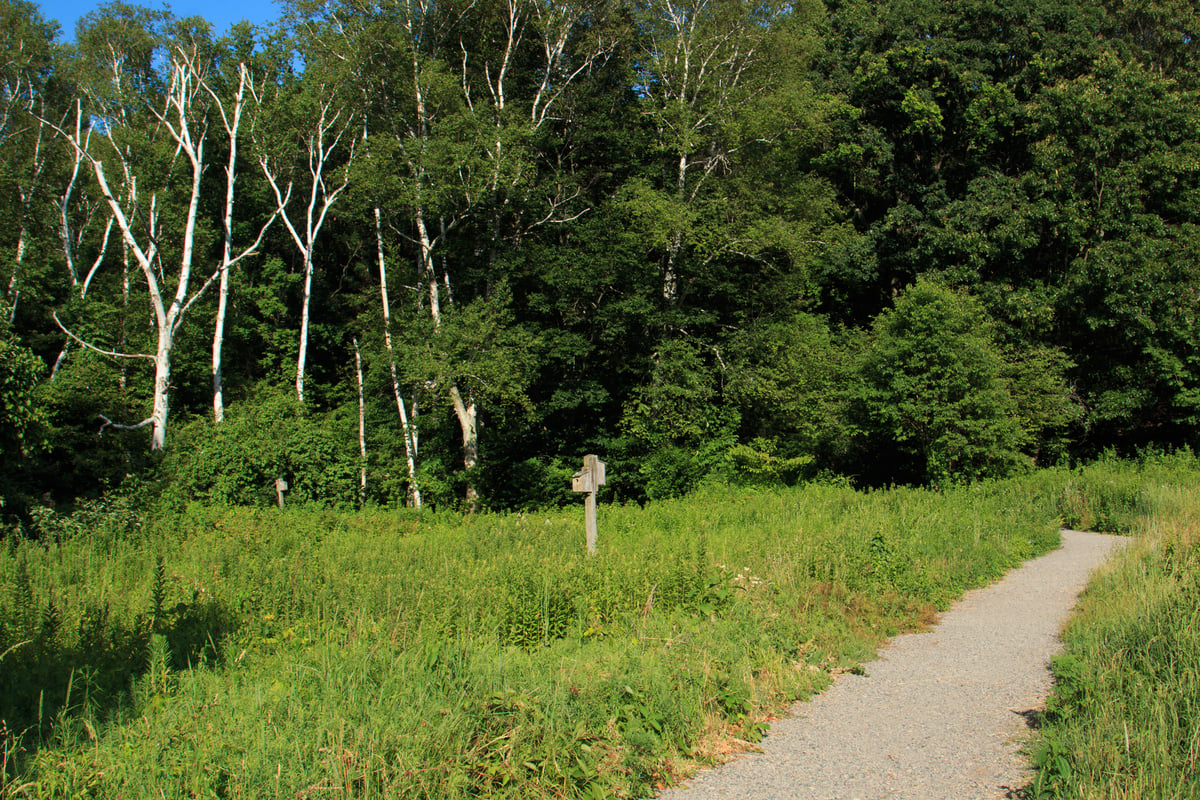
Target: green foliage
1047,408
20,371
1121,145
243,651
677,270
1040,156
679,425
263,438
787,377
479,347
22,420
81,459
758,463
934,390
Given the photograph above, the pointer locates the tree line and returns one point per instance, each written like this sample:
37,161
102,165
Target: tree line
433,252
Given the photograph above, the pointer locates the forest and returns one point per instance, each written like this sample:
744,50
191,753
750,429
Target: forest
431,253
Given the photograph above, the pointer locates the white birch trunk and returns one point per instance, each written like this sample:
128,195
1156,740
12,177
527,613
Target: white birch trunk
362,428
231,128
466,413
218,378
410,446
126,286
162,390
302,356
429,269
321,143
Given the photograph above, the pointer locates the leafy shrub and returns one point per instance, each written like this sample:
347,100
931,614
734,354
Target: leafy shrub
787,377
760,463
20,371
933,390
266,437
676,422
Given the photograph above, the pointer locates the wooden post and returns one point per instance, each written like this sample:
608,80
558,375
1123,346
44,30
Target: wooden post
588,480
280,487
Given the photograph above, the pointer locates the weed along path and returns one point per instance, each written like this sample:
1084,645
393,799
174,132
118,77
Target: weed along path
940,715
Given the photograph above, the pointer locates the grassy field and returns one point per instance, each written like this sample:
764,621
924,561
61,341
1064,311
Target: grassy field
240,653
1124,720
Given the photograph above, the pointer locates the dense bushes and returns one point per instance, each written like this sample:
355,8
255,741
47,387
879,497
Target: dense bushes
929,395
19,373
939,393
266,438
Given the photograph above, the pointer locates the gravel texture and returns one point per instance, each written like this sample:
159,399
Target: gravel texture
940,715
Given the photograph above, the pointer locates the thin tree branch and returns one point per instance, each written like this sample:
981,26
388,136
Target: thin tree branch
101,351
108,423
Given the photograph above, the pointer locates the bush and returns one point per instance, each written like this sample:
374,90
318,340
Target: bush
787,378
20,371
678,427
267,437
933,390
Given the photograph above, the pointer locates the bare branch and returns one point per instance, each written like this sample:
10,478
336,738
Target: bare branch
87,281
92,347
196,296
108,423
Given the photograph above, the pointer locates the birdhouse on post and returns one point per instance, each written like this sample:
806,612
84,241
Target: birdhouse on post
588,480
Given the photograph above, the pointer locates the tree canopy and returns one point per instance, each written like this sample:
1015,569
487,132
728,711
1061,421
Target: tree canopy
897,241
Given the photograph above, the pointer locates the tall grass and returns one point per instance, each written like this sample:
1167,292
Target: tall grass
246,653
1124,719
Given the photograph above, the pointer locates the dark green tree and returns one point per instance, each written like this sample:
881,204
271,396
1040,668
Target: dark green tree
934,398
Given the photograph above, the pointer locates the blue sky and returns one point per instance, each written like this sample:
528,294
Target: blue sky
221,13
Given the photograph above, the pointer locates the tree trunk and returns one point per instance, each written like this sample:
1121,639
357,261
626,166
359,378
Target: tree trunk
362,428
13,293
410,445
218,380
227,260
162,383
466,413
303,356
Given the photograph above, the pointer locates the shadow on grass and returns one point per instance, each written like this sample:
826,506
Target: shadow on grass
50,673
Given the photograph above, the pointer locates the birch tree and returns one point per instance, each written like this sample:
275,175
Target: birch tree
699,73
177,117
76,215
326,170
455,118
231,111
181,124
407,428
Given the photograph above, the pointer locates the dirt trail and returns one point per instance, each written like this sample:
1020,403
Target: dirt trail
940,715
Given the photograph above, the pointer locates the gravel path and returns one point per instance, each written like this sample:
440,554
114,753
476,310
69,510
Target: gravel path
940,716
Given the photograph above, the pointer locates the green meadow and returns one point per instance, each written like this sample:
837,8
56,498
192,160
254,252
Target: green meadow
1124,720
309,653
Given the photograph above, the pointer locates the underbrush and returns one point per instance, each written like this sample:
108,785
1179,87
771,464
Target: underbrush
228,652
1124,718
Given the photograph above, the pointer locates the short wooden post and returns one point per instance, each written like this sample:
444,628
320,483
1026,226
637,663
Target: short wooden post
588,480
280,487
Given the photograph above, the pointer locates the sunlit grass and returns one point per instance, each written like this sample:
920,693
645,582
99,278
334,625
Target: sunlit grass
391,654
1124,721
